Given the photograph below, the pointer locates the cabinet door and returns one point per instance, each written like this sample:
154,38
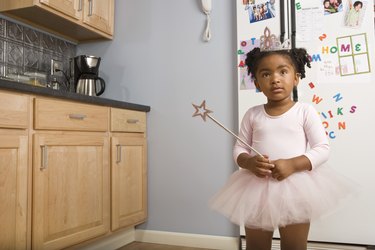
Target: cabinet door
72,8
71,189
129,181
13,191
99,15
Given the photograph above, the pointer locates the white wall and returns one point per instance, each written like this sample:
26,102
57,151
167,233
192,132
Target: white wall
158,58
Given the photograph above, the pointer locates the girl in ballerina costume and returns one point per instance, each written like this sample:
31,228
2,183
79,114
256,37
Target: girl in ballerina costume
288,185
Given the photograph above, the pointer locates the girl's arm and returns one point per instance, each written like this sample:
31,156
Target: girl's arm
317,153
260,166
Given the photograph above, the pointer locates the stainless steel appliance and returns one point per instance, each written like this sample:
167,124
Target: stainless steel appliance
84,70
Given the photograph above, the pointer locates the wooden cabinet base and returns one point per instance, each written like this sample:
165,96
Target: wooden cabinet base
66,178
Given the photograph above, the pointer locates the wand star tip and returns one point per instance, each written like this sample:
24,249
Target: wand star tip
201,110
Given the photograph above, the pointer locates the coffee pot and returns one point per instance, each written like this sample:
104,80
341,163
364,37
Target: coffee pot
85,71
88,85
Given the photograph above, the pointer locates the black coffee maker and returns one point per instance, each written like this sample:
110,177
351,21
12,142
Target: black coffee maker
84,71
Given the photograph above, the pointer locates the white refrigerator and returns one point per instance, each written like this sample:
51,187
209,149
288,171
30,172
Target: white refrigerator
340,85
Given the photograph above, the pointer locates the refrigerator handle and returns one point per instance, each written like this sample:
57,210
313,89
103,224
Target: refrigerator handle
282,21
293,22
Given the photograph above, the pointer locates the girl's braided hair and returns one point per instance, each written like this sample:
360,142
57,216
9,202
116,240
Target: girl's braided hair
298,57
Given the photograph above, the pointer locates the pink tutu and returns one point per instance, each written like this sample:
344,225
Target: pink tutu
268,204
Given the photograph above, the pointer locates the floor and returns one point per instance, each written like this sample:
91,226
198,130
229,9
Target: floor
151,246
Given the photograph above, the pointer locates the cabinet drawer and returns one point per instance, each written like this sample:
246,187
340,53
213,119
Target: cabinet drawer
61,115
14,110
123,120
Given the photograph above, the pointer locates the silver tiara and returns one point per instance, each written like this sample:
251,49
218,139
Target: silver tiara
270,42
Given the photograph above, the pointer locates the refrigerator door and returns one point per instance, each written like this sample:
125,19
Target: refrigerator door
340,85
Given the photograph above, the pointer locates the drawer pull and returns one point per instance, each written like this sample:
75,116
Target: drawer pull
132,121
118,156
44,160
90,7
80,5
77,116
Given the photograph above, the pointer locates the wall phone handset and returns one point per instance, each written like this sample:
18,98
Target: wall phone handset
207,6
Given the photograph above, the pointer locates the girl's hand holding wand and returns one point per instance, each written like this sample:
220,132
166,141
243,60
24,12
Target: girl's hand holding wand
258,165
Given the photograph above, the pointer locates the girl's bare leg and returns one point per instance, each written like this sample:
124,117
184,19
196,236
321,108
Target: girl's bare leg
257,239
294,237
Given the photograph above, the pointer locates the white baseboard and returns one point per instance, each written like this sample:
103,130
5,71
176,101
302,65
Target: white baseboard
187,240
321,246
122,238
113,241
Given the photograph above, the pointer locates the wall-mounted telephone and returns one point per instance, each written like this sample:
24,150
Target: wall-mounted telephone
207,6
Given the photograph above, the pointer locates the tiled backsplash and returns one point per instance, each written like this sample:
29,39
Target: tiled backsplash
26,52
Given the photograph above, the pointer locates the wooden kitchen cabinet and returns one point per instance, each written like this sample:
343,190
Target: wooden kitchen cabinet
70,172
72,8
128,168
129,180
78,20
13,189
99,15
70,189
14,118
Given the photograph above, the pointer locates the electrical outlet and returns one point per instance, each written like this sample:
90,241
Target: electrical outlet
56,66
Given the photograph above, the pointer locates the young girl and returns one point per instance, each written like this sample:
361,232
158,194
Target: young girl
287,186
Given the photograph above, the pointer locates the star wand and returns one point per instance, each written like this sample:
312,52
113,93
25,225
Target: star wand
203,112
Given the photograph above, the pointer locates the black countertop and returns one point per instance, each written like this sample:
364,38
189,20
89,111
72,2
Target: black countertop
26,88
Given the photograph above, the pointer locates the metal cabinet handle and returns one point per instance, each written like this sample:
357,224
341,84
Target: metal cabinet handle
118,156
90,7
77,116
80,5
132,121
44,156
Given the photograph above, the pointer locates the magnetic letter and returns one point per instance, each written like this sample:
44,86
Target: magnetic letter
316,99
345,48
325,50
315,57
352,109
253,40
358,47
342,125
332,135
338,97
333,49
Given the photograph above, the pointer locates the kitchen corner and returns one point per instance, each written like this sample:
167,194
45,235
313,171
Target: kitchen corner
72,156
73,164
